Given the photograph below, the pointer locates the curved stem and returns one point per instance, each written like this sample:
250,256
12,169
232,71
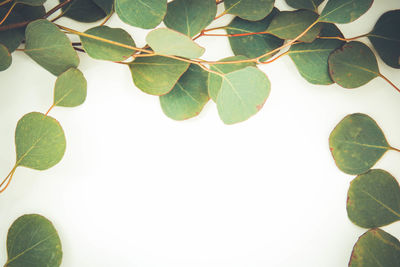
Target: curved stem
107,18
387,80
8,13
278,57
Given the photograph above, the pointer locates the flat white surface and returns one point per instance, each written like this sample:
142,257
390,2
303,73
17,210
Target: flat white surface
136,188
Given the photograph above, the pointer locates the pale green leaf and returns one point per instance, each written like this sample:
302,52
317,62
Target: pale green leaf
70,89
344,11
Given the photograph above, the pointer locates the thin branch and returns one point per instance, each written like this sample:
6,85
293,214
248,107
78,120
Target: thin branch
387,80
8,13
343,39
5,2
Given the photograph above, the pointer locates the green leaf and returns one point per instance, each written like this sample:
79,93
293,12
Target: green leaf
242,94
376,248
190,16
83,11
106,5
139,13
11,38
249,9
357,143
157,75
290,24
344,11
353,65
32,241
373,199
253,46
5,58
386,38
311,59
188,97
169,42
30,12
70,89
105,51
31,2
305,4
215,81
40,141
49,47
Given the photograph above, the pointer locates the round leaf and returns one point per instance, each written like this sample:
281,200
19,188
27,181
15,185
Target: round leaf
242,94
386,38
357,143
305,4
139,13
70,89
83,11
344,11
189,95
353,65
249,9
33,241
5,58
49,47
106,51
169,42
373,199
39,141
190,16
376,248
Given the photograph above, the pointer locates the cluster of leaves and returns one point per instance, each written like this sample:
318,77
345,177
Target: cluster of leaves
170,65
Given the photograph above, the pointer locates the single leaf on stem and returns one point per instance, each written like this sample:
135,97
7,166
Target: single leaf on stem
70,89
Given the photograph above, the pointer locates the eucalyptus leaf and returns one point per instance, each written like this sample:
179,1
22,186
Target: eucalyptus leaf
139,13
305,4
190,17
376,248
32,241
249,9
169,42
188,97
290,24
353,65
30,12
256,45
49,47
11,38
242,94
386,38
83,11
344,11
106,5
40,141
5,58
357,143
31,2
70,89
373,199
157,75
215,81
106,51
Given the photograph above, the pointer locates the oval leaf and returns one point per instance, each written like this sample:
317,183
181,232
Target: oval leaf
83,11
39,141
249,9
305,4
189,95
157,75
70,89
169,42
106,51
242,94
49,47
353,65
5,58
190,16
344,11
376,248
33,241
373,199
139,13
357,143
386,38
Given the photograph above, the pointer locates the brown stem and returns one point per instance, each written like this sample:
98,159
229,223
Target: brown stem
107,18
387,80
278,57
343,39
395,149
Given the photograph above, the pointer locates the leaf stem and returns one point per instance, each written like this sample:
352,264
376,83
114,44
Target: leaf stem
387,80
48,111
343,39
5,2
106,19
395,149
9,178
278,57
8,13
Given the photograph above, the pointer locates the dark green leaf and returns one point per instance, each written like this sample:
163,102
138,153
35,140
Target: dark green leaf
305,4
157,75
70,89
144,14
30,12
49,47
105,51
357,143
11,38
386,38
190,16
373,199
344,11
189,95
31,2
5,58
83,11
353,65
32,241
249,9
39,140
376,248
106,5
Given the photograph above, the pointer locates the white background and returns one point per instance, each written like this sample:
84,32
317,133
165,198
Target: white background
136,188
